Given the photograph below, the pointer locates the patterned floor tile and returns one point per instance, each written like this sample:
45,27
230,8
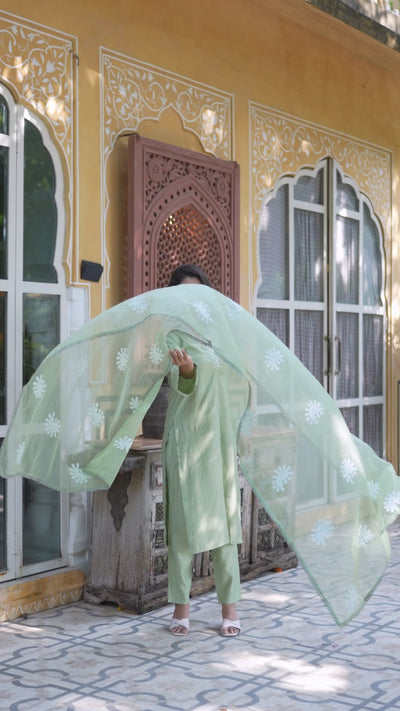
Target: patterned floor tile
290,656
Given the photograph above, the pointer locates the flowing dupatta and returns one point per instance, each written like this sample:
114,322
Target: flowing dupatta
330,495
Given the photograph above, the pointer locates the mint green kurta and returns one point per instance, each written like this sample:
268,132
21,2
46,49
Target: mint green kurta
329,494
200,446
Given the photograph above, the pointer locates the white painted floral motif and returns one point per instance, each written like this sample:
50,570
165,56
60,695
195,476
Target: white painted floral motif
156,354
203,311
122,359
81,365
373,487
96,414
77,474
52,425
391,503
281,478
20,452
123,443
353,600
134,403
39,386
365,536
273,359
313,411
348,470
139,304
322,531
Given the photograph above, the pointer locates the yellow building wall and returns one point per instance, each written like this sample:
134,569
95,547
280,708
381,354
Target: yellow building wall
262,65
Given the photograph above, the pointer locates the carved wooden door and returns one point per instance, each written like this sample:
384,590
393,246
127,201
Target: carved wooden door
183,207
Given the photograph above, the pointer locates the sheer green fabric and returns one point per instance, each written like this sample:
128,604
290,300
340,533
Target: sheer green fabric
328,492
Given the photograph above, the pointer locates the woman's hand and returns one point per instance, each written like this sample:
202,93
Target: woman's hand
184,362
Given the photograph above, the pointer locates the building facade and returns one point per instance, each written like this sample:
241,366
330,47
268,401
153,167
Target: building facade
304,98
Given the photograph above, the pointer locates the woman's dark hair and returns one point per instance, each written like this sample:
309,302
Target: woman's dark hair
188,270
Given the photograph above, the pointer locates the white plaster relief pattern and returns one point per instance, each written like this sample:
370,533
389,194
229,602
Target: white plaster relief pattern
135,92
281,144
39,67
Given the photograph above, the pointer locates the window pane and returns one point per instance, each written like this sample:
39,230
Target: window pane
347,261
41,523
3,360
309,341
309,256
372,272
346,198
3,116
347,355
3,210
309,189
274,247
373,355
41,324
40,212
373,427
351,416
3,529
277,320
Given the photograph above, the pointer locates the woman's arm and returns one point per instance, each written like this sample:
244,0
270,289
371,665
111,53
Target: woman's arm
184,362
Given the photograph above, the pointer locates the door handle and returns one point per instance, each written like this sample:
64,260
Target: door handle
328,357
339,355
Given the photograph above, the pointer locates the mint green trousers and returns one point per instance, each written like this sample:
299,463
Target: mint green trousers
226,574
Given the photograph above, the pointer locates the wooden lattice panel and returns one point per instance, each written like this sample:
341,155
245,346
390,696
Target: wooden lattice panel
183,207
187,237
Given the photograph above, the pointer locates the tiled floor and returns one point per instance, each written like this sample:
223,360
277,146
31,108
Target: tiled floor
290,655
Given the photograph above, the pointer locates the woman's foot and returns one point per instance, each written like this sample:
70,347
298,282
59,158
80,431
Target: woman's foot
229,614
180,620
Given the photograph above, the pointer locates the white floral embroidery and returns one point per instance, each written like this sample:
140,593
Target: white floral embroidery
365,535
391,503
52,425
349,470
134,403
156,354
77,474
81,365
373,487
20,452
273,359
322,531
352,600
233,310
203,311
39,386
139,304
281,478
213,357
122,359
123,443
313,411
96,414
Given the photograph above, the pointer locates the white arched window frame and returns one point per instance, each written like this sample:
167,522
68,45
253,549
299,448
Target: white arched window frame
15,288
321,267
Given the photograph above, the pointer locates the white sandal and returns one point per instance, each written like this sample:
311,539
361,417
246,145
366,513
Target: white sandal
230,623
175,623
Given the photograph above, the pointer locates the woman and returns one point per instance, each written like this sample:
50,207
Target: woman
202,487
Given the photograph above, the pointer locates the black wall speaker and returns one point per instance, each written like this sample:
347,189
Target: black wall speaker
91,271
